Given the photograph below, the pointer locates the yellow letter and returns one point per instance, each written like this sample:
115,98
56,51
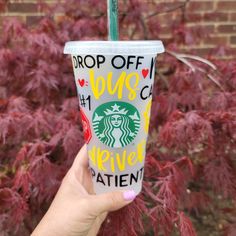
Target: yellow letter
132,93
112,164
118,87
101,160
121,163
146,116
141,151
92,155
97,87
132,159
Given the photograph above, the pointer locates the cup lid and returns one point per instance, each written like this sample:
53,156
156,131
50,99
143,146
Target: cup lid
114,47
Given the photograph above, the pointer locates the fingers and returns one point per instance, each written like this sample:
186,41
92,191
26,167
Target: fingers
81,160
110,201
80,170
98,203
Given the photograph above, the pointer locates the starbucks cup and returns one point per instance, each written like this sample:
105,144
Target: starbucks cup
114,81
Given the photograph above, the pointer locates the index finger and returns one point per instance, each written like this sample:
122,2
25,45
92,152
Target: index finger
81,160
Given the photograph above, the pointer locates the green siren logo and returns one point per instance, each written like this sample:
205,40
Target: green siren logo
116,124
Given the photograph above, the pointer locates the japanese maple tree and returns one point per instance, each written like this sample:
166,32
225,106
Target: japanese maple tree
190,169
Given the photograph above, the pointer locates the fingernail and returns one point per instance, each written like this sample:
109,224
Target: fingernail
129,195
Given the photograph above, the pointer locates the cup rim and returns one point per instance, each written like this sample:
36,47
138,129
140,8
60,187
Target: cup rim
134,47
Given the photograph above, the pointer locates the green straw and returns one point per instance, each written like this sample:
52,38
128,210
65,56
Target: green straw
112,10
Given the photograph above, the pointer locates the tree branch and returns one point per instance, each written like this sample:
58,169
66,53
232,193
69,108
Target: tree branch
181,5
184,59
144,26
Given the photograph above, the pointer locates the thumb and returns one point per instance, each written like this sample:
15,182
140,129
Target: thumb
111,201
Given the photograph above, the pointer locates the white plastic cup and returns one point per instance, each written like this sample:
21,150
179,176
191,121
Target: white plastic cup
114,81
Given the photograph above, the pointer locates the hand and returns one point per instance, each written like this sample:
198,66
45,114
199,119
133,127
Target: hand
76,211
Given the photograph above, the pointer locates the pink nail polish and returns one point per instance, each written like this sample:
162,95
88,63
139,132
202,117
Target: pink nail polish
129,195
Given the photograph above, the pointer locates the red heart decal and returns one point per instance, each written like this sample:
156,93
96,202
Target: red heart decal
81,82
145,72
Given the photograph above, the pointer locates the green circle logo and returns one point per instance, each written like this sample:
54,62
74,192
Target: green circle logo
116,124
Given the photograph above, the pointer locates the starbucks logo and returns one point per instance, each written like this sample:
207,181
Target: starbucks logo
116,124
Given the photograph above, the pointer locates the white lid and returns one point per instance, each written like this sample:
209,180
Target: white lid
114,47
